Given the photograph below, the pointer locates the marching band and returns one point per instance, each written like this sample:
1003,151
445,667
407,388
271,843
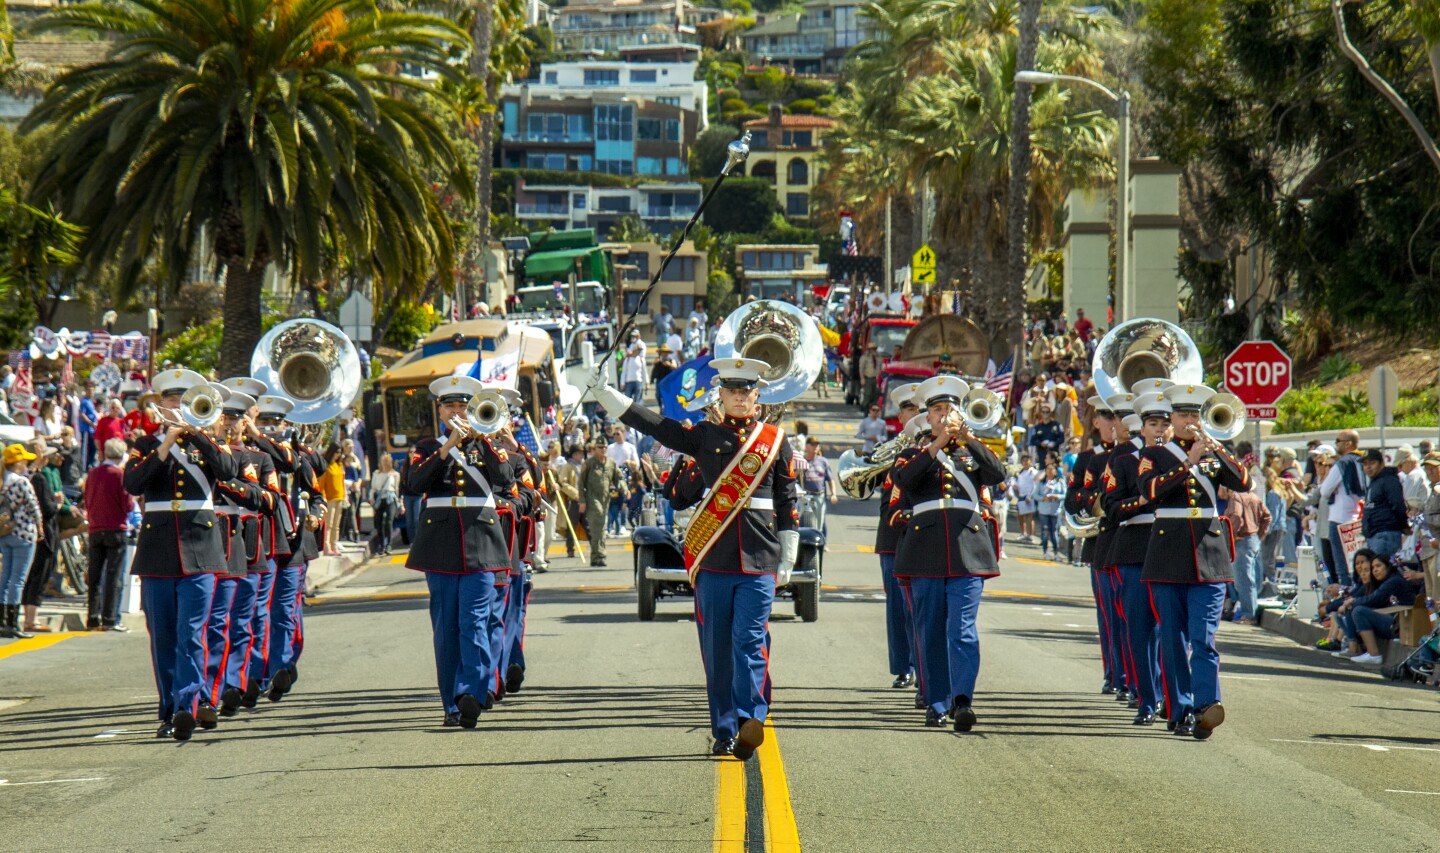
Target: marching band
232,515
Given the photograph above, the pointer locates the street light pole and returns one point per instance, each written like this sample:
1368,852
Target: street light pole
888,272
1124,291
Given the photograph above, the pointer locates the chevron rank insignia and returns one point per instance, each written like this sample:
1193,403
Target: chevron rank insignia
1089,478
1146,465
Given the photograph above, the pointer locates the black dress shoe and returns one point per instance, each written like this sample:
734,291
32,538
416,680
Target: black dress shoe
182,725
489,704
1144,718
919,701
166,730
1122,696
279,686
933,718
294,676
723,746
906,680
1186,726
230,702
452,721
251,697
752,734
514,677
207,717
1207,719
964,716
469,710
1134,703
1106,688
1170,725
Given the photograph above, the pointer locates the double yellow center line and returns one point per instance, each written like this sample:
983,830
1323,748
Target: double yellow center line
752,803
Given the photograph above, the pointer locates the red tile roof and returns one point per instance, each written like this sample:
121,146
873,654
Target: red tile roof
793,121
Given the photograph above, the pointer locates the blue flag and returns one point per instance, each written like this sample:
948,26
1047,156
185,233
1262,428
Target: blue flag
474,372
525,435
684,385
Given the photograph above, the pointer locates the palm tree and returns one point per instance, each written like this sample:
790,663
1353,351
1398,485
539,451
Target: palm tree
282,129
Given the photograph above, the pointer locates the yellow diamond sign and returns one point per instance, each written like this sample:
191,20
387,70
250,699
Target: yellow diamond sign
922,265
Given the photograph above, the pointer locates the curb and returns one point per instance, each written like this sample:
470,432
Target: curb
327,571
1306,634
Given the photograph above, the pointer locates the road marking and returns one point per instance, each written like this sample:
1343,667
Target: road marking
1244,678
1073,625
781,835
624,588
8,784
1373,747
1402,791
109,733
1046,614
19,647
729,806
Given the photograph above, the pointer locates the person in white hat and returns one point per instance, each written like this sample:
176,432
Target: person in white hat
460,547
1188,561
741,544
948,550
898,628
1086,480
179,548
1107,576
1129,509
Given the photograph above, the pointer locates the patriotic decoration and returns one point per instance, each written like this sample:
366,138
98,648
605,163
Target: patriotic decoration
48,343
525,434
998,379
848,244
683,386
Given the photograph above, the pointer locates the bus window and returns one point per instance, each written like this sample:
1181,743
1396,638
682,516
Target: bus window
409,412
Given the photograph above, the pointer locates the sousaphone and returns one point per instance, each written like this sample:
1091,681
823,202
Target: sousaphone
1145,348
780,335
311,362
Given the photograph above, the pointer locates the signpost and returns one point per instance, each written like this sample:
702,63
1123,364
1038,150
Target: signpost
1258,372
1384,394
922,265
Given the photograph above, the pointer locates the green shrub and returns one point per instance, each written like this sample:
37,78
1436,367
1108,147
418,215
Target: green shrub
727,94
739,118
197,348
731,105
1353,402
804,107
408,324
804,87
1336,367
1302,409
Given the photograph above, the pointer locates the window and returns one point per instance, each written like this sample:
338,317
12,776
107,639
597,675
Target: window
640,261
578,201
582,163
614,122
642,76
647,128
675,166
797,204
615,167
798,172
633,303
678,304
759,139
798,137
613,203
552,77
577,126
670,100
672,130
534,161
602,77
649,165
680,269
747,260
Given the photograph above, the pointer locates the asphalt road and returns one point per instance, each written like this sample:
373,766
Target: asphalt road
605,745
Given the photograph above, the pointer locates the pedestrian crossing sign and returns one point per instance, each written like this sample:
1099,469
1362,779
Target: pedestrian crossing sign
922,265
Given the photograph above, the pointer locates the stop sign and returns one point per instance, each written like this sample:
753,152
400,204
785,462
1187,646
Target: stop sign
1258,372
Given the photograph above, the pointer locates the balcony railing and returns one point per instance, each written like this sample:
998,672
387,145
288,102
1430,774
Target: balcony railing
542,210
670,211
573,138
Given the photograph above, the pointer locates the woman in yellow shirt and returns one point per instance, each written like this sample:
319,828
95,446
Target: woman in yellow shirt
332,486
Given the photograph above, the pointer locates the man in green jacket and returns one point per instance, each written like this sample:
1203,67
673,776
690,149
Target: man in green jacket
599,477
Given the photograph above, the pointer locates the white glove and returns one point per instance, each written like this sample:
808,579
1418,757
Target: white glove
789,553
598,390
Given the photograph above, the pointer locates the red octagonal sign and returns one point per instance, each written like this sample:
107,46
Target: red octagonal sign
1258,372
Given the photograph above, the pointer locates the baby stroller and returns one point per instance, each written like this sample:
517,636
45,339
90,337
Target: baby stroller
1420,665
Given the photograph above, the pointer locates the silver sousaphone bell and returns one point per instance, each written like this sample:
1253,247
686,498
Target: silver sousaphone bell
311,362
780,335
1145,348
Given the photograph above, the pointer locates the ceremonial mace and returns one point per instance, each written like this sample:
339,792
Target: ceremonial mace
735,154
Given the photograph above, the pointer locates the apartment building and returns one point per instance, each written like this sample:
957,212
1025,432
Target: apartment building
607,27
814,41
661,207
785,150
681,286
770,271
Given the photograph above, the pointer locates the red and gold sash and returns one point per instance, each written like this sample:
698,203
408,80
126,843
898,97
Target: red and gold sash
734,487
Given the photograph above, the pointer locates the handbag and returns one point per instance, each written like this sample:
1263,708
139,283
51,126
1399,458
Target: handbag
7,517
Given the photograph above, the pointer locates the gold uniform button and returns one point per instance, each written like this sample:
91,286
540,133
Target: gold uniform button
179,494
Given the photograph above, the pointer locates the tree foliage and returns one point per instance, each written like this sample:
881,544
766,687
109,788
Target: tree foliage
708,153
1288,149
742,205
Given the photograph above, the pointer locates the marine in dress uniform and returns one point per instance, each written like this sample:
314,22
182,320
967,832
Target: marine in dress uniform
918,429
267,435
179,550
1106,571
1079,499
530,490
300,467
1188,562
258,471
948,550
460,547
741,544
887,538
1130,511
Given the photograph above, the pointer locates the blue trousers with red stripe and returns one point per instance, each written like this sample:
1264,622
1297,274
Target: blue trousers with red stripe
264,604
1112,639
1189,618
176,610
517,605
897,620
284,621
242,633
1143,635
732,612
217,636
495,629
948,640
460,609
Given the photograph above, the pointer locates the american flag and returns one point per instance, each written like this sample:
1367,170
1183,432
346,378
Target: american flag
98,345
20,360
525,435
998,379
67,375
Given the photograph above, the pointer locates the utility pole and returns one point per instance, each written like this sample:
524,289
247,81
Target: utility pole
889,272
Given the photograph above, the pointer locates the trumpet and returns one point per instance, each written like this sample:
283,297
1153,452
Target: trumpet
484,415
